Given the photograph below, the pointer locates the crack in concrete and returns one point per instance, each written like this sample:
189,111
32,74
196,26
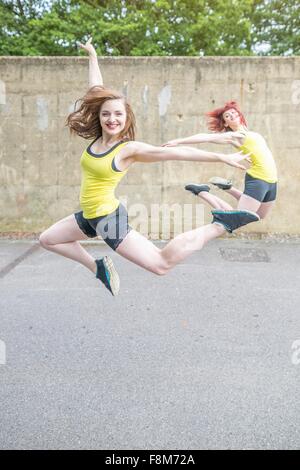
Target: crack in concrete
4,271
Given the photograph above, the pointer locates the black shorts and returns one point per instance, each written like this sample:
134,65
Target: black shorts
260,189
113,227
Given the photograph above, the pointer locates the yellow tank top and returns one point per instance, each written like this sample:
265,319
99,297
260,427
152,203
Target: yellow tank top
99,180
263,166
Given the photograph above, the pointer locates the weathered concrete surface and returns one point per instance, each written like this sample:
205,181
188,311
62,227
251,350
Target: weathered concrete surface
201,358
39,161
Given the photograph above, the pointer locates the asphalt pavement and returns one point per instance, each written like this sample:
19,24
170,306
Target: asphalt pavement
207,357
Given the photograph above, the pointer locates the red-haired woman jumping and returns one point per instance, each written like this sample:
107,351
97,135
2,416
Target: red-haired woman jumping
229,126
105,116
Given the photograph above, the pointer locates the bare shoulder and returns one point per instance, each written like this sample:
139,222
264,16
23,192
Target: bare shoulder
128,150
126,155
256,136
133,148
238,138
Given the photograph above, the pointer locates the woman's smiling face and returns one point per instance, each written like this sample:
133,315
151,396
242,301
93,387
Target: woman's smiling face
113,117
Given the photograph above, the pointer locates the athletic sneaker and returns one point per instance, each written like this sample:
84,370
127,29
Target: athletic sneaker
197,188
231,220
221,183
107,274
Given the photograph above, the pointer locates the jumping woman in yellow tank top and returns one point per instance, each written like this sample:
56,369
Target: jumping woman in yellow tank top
229,126
106,117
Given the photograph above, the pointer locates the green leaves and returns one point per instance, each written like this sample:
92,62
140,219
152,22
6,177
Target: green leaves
150,27
276,24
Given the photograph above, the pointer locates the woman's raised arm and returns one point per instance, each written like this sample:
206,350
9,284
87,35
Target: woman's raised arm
95,77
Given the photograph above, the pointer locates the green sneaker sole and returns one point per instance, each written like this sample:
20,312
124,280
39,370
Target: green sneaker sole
114,279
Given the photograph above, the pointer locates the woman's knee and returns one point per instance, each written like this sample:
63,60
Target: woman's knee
162,267
47,237
44,239
160,271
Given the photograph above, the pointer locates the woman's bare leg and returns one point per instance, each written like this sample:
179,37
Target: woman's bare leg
248,203
236,193
215,201
264,209
62,238
223,183
138,249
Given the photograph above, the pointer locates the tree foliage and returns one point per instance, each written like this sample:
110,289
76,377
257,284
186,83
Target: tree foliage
150,27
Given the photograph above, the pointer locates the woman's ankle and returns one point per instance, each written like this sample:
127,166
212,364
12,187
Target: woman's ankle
94,267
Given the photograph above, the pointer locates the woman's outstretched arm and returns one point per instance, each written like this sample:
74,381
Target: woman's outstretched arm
95,77
233,138
145,153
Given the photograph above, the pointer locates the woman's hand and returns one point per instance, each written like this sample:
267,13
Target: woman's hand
88,47
95,76
233,159
171,143
238,156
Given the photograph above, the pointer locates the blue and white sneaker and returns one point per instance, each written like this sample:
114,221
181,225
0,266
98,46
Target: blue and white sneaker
232,220
107,274
197,188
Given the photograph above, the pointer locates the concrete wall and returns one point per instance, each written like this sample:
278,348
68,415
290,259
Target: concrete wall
39,161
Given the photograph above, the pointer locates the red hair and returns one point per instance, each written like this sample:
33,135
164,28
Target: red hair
215,120
85,122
